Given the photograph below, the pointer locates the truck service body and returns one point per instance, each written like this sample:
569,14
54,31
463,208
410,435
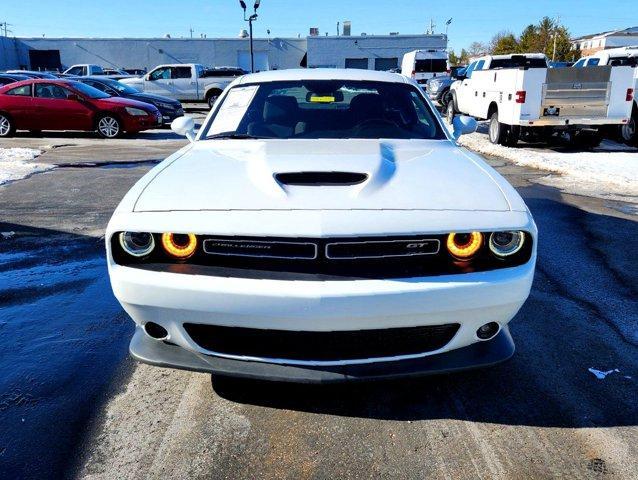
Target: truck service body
519,92
619,57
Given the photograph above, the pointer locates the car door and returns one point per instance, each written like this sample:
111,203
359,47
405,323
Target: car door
18,102
463,92
58,108
159,82
184,83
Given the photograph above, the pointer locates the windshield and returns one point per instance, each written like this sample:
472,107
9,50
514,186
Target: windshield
88,91
518,61
324,109
430,65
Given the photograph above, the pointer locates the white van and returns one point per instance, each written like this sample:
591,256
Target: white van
422,65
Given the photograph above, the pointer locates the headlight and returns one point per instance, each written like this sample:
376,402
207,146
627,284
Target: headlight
136,112
178,245
463,246
167,106
504,244
137,244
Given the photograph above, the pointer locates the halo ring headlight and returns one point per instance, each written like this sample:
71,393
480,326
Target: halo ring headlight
137,244
180,246
464,246
504,244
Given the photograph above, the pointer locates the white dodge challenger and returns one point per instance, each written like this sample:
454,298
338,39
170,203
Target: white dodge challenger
322,225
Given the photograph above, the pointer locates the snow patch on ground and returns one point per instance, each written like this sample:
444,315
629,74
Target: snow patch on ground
600,375
17,163
609,172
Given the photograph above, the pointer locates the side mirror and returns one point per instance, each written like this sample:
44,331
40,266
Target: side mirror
185,126
74,97
462,125
147,77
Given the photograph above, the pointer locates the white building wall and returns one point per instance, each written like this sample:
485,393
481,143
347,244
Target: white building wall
333,51
147,53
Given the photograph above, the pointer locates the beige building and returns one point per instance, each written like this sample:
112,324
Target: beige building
590,44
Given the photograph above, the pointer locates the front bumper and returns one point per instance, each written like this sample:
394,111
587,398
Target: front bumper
171,300
478,355
139,123
551,121
169,115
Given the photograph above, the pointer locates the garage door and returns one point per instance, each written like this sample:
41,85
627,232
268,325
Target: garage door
360,63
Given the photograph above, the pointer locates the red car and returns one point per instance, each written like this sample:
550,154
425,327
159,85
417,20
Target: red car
38,105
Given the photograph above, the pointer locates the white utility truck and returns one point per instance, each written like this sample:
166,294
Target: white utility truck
523,98
619,57
187,82
422,65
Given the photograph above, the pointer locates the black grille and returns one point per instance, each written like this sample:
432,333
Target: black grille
321,346
336,258
261,248
381,248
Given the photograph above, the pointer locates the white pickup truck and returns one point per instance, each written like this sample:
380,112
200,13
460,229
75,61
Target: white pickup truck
617,57
189,82
523,98
84,70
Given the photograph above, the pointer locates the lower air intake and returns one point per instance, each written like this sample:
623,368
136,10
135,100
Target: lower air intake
321,346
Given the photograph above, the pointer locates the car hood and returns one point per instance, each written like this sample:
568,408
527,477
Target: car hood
150,98
400,175
126,102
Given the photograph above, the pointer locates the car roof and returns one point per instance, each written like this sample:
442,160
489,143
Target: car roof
61,82
322,74
96,78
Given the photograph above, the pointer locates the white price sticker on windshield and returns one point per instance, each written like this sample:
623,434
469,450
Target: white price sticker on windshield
233,109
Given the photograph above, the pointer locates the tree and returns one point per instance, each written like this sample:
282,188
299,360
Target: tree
477,49
503,43
464,59
528,41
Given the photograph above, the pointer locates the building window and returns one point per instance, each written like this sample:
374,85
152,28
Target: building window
385,64
360,63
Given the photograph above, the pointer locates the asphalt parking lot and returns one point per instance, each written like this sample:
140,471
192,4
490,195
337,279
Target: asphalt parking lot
74,404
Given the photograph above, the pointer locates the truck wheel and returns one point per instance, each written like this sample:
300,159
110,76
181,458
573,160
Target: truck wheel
212,97
450,111
445,98
628,131
7,128
498,132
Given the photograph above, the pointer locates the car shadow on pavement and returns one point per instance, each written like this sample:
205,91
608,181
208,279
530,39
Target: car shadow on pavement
63,339
156,134
581,314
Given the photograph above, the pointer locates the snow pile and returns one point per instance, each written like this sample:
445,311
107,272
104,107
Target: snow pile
17,163
610,171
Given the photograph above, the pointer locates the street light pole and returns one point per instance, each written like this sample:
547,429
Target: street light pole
250,21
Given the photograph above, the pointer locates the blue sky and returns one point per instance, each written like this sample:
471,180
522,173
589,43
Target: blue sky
473,20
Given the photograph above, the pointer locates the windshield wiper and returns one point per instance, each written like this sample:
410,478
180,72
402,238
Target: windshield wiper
233,136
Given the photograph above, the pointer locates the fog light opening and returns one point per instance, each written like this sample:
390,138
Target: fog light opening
155,331
488,331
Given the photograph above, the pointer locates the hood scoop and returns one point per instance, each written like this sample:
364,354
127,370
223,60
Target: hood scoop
318,179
